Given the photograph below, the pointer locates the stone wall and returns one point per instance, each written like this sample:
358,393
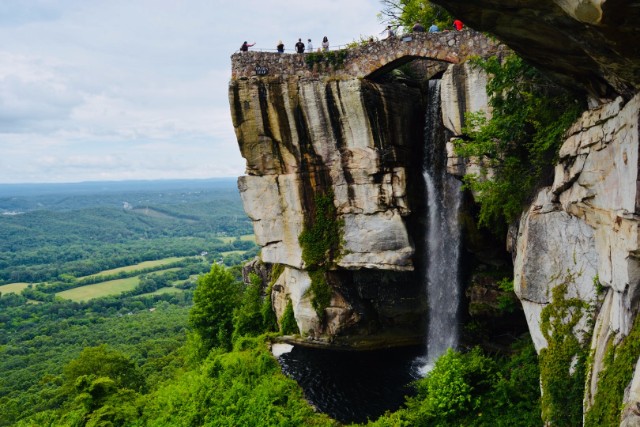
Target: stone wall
365,59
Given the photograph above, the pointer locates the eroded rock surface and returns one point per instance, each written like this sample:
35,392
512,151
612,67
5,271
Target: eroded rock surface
583,230
590,45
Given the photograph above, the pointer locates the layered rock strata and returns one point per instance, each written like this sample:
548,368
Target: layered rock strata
309,133
590,45
350,139
583,232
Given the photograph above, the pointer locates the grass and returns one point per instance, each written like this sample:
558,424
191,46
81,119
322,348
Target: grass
246,237
139,266
98,290
232,253
162,291
166,270
13,288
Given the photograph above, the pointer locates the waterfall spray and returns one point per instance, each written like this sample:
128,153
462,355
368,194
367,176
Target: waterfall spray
442,274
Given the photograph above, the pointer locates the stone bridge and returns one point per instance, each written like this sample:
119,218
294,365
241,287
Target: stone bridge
368,59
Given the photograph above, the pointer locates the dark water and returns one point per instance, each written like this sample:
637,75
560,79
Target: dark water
353,386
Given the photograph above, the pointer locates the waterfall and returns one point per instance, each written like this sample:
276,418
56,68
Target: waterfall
442,237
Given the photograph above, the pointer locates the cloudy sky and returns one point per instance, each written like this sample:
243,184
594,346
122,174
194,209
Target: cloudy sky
137,89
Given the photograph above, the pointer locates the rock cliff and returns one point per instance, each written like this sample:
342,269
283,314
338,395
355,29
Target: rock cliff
577,244
315,130
345,131
590,45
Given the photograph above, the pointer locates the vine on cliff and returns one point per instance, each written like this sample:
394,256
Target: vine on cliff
563,362
518,145
619,365
331,57
320,243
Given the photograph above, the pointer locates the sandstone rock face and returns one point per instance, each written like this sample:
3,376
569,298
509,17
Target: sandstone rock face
310,129
585,226
350,139
590,45
463,91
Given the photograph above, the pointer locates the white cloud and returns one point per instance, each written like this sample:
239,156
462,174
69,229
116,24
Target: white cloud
138,88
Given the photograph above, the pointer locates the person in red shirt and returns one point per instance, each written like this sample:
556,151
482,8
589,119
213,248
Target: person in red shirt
458,25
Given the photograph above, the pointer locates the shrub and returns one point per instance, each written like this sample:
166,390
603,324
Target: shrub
520,142
214,299
288,324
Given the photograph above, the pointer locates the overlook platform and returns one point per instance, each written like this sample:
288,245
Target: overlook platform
367,59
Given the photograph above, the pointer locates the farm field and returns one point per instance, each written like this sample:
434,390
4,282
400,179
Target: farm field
14,288
163,291
244,238
135,267
102,289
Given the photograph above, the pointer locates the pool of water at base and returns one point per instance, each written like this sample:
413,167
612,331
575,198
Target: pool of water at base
354,386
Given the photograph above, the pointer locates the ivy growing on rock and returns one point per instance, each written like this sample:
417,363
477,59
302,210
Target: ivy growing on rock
518,145
563,362
331,57
288,323
619,364
320,241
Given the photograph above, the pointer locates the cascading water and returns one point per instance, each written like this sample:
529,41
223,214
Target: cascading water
442,276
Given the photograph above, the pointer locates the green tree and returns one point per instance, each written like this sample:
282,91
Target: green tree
247,319
405,13
214,300
519,143
102,361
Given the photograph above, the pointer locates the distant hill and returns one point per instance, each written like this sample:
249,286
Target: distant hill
19,198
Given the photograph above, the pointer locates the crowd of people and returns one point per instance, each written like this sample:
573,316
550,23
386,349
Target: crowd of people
300,47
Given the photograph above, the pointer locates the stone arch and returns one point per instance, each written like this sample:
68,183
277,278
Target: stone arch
398,62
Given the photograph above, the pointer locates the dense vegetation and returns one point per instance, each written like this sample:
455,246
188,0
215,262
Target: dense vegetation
38,340
405,13
100,231
518,145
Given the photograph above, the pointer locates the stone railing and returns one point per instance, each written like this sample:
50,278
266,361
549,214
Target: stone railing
366,59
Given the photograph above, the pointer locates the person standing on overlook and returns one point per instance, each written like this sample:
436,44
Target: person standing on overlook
300,46
325,44
280,46
390,32
434,28
418,28
245,46
309,46
458,25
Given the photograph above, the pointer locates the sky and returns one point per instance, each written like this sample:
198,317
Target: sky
104,90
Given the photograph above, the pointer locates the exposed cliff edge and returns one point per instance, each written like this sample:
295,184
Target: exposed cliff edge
315,130
590,45
338,130
582,233
577,245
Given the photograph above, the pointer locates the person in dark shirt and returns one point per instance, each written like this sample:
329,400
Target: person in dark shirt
300,46
418,28
280,46
245,46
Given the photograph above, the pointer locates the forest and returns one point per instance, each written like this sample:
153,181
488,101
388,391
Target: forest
187,342
59,238
114,226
